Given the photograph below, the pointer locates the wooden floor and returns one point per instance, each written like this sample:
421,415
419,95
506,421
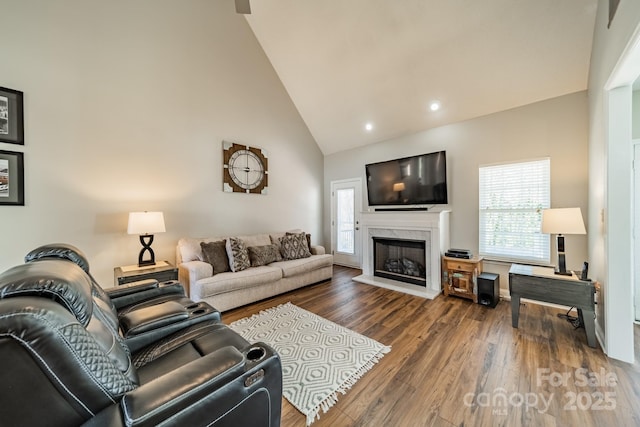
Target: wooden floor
455,363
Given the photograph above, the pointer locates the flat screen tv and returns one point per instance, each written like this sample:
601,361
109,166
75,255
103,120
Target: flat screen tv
410,181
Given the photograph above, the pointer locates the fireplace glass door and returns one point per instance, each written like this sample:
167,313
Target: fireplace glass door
400,259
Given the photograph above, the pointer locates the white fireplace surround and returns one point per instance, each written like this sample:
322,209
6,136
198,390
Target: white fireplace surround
430,227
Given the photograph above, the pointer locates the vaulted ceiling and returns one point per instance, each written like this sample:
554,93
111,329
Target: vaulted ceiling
346,63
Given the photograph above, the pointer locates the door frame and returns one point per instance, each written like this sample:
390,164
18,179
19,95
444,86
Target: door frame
635,227
356,212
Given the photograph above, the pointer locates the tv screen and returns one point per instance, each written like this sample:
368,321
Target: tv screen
416,180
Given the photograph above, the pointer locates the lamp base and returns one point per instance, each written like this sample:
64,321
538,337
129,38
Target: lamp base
562,273
146,247
562,264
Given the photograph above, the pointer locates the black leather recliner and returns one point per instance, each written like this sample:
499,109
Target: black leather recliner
147,310
66,362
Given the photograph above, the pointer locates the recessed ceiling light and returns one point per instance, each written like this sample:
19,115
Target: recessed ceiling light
368,127
434,106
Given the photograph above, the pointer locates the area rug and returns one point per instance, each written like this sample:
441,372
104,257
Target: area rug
319,358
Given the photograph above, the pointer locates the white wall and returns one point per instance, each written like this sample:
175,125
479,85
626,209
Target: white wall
604,253
126,106
556,128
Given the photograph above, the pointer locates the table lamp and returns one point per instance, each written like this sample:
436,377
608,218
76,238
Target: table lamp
398,187
146,224
562,221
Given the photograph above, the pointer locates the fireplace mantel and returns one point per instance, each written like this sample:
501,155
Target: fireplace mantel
432,227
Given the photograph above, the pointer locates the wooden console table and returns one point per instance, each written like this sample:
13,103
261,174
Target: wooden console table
541,284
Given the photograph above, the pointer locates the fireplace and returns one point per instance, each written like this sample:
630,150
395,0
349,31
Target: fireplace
431,231
400,259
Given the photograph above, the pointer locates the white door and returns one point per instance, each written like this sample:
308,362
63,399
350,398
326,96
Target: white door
346,205
636,227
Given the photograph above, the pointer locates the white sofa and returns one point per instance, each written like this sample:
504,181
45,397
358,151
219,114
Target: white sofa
228,290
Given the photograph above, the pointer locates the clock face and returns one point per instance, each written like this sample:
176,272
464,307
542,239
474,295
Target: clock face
245,169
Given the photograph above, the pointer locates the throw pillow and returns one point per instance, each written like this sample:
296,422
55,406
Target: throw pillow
262,255
294,246
307,236
276,241
238,254
215,253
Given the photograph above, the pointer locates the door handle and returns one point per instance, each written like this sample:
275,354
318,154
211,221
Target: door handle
357,228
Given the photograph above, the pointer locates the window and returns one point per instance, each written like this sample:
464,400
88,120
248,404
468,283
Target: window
345,220
512,197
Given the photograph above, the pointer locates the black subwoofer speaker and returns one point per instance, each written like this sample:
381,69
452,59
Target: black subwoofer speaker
488,289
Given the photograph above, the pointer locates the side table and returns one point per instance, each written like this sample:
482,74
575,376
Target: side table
461,276
161,271
541,284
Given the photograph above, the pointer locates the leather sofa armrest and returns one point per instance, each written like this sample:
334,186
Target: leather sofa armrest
136,292
154,317
131,288
180,389
145,325
219,387
317,250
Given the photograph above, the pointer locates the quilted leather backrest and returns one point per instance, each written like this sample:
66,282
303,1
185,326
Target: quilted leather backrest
68,285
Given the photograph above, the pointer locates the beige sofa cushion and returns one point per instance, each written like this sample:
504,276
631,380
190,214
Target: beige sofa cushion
189,249
226,282
298,266
256,239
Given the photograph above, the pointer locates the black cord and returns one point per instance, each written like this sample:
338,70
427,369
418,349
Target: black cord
575,321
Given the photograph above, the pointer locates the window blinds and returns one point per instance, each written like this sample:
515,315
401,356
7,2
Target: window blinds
512,197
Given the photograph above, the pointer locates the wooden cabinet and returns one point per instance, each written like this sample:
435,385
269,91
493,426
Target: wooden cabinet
460,277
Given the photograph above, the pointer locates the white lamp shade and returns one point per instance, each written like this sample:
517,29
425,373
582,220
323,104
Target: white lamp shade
562,221
146,223
398,186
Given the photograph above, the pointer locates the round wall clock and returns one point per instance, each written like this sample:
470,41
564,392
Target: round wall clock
245,169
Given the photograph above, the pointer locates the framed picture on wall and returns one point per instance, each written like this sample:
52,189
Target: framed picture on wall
11,178
11,116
